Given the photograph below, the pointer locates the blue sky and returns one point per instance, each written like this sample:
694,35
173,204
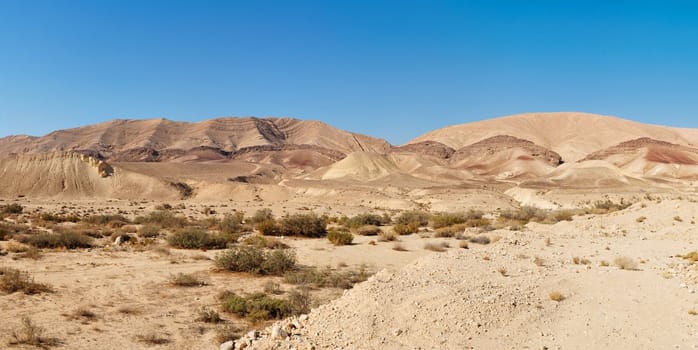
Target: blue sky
393,69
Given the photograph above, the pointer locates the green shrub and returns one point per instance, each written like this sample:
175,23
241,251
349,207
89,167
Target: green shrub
194,238
306,225
254,260
362,220
66,239
340,237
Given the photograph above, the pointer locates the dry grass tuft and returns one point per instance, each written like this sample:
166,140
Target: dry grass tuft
539,261
625,263
436,247
153,338
208,315
186,280
399,247
31,334
463,245
556,296
12,280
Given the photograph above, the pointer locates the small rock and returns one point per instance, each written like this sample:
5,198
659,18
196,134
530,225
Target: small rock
277,332
303,317
397,332
229,345
252,335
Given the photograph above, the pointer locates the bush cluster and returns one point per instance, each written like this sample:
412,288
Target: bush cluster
252,259
66,239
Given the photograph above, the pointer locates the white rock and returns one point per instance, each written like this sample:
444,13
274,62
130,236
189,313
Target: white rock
277,332
229,345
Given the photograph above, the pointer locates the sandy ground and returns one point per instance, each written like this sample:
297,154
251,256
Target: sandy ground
486,297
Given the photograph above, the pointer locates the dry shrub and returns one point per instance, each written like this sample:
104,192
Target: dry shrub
164,219
153,338
539,261
641,219
406,229
368,230
581,261
327,277
625,263
232,223
556,296
463,245
340,237
399,247
208,316
13,280
387,236
227,333
260,241
256,306
13,208
360,220
272,287
484,240
186,280
692,257
31,334
149,231
436,247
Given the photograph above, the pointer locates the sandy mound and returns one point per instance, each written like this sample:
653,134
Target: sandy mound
73,175
591,174
506,157
572,135
363,166
651,158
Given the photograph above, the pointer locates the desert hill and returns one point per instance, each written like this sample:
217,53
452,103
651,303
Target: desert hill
230,155
572,135
216,139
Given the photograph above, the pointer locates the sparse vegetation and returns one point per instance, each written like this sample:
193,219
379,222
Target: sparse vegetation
387,236
260,241
641,219
163,218
399,247
368,230
484,240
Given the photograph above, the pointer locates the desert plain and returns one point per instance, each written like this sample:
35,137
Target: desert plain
534,231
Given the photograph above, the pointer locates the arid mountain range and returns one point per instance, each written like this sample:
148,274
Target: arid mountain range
162,158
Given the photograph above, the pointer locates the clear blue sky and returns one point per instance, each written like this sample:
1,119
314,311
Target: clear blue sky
392,69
